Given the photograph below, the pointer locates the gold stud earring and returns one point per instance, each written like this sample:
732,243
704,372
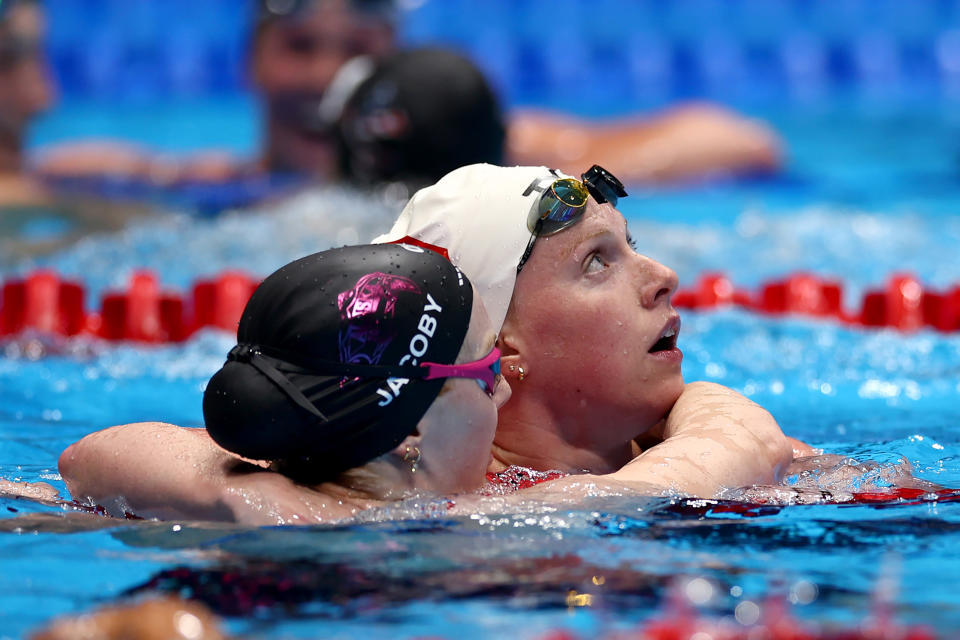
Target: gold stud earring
523,374
412,455
513,367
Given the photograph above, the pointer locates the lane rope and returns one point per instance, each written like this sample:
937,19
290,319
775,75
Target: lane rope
145,311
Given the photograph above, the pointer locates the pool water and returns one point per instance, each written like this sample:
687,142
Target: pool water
866,194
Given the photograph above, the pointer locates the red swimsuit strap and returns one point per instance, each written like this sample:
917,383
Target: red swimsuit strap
514,478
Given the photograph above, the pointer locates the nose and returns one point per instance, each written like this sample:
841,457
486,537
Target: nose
657,282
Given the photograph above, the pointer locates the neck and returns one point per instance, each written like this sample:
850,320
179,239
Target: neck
534,438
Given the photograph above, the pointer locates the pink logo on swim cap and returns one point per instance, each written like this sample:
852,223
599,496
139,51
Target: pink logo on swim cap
366,316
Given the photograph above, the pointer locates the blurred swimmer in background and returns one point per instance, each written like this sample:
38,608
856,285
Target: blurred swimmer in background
417,115
25,92
296,52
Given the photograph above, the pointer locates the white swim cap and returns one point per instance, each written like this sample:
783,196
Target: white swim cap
479,214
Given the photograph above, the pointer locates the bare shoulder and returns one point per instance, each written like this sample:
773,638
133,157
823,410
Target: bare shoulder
160,470
151,469
139,442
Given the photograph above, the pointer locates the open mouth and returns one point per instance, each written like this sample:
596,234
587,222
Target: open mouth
665,343
668,339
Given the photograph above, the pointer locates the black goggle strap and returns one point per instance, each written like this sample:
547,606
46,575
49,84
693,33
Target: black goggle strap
265,365
272,362
529,249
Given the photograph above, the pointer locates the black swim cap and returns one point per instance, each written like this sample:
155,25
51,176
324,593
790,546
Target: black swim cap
421,114
307,384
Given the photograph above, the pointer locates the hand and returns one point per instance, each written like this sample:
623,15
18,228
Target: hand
38,491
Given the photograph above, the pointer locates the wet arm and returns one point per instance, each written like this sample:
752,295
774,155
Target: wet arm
100,159
714,438
681,143
151,469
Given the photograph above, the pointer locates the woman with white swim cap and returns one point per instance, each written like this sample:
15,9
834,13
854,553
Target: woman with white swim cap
588,334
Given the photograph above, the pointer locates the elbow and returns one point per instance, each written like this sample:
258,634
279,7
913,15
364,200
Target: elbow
781,456
777,448
68,465
78,466
74,467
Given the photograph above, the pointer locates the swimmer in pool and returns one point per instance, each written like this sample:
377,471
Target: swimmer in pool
587,333
298,47
361,375
305,423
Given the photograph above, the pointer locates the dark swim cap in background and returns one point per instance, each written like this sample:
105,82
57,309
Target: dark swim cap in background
421,114
364,305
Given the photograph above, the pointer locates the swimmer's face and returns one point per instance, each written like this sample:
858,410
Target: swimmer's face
25,87
457,430
589,315
293,63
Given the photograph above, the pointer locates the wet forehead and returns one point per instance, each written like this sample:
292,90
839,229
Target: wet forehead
597,220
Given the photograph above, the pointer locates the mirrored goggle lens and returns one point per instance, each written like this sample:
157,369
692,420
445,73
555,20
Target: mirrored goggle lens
564,201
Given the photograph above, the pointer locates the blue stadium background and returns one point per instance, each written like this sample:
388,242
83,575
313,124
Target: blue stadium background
185,59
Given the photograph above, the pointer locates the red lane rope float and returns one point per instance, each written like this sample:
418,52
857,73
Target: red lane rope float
903,304
145,312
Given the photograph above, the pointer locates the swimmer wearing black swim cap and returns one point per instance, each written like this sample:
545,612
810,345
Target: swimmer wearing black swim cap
327,374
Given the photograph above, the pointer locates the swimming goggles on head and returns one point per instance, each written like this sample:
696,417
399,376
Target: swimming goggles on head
564,201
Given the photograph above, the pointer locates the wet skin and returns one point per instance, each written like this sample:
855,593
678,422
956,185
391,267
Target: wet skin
592,324
457,430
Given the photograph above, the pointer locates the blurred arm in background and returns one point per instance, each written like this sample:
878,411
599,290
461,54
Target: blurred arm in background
682,143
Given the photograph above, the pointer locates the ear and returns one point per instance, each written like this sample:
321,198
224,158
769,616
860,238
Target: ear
511,348
413,441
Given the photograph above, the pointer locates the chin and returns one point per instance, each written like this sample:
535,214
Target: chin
675,388
668,392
